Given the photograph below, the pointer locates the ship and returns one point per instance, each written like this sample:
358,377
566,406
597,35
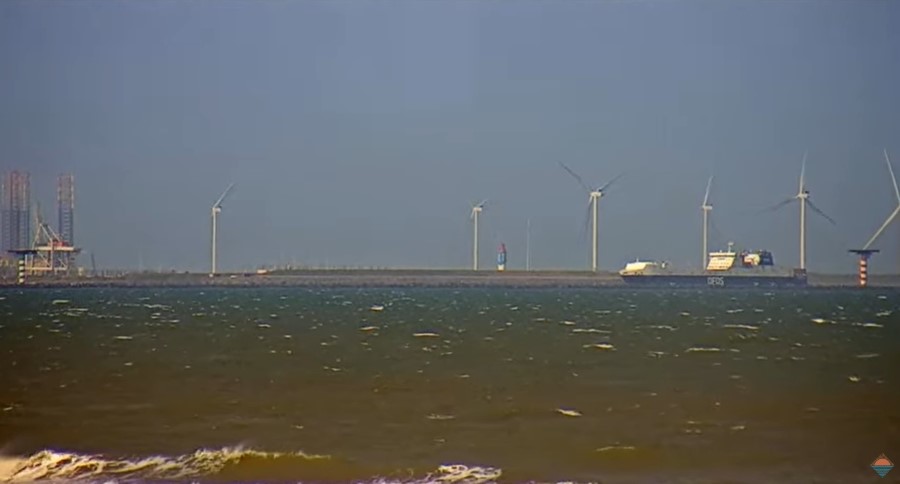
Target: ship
501,258
728,268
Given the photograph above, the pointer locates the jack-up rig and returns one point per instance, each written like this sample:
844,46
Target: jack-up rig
48,254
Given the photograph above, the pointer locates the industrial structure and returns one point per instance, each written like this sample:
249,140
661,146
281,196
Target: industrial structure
15,212
65,202
48,254
26,241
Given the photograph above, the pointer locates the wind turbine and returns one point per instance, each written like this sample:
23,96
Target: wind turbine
896,210
528,245
595,195
706,208
474,216
866,252
216,209
803,197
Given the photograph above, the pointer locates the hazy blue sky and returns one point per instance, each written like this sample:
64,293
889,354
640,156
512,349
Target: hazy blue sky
360,133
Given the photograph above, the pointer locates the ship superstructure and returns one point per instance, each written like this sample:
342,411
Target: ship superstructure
725,268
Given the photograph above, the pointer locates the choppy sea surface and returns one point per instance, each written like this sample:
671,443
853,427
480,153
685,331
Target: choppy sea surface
440,385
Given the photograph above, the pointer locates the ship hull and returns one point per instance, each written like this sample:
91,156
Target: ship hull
716,281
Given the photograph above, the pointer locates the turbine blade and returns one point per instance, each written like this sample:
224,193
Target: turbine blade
776,207
482,203
604,187
575,175
708,186
717,234
803,172
893,179
224,194
820,212
883,226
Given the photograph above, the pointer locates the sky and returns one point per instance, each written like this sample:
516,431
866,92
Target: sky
360,133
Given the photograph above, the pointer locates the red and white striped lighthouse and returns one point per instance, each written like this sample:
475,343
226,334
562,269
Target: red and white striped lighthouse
864,255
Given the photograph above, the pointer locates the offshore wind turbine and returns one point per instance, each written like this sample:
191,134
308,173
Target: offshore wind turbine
476,210
893,214
595,194
528,245
706,208
867,251
216,209
803,197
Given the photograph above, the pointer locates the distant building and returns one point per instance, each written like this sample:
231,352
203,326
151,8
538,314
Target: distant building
65,200
15,212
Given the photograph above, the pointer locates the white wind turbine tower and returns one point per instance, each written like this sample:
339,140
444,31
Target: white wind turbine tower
896,210
476,210
216,209
595,195
803,197
706,208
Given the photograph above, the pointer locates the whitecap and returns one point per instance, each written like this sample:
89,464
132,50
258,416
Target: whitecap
703,349
601,346
65,466
822,321
616,447
436,416
568,412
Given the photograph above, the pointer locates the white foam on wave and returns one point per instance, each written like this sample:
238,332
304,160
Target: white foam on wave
57,466
69,466
453,473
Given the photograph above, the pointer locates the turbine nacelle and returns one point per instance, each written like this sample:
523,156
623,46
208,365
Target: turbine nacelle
477,208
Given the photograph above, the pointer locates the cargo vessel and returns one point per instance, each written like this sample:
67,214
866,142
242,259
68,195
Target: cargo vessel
728,268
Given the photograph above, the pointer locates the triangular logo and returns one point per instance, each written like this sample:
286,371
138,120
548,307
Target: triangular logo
882,465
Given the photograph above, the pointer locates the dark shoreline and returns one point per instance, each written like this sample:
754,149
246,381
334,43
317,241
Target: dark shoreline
395,278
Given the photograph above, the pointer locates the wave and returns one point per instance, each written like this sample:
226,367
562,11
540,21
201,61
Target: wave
226,464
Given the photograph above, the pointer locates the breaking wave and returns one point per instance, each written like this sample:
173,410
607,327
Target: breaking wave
226,464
